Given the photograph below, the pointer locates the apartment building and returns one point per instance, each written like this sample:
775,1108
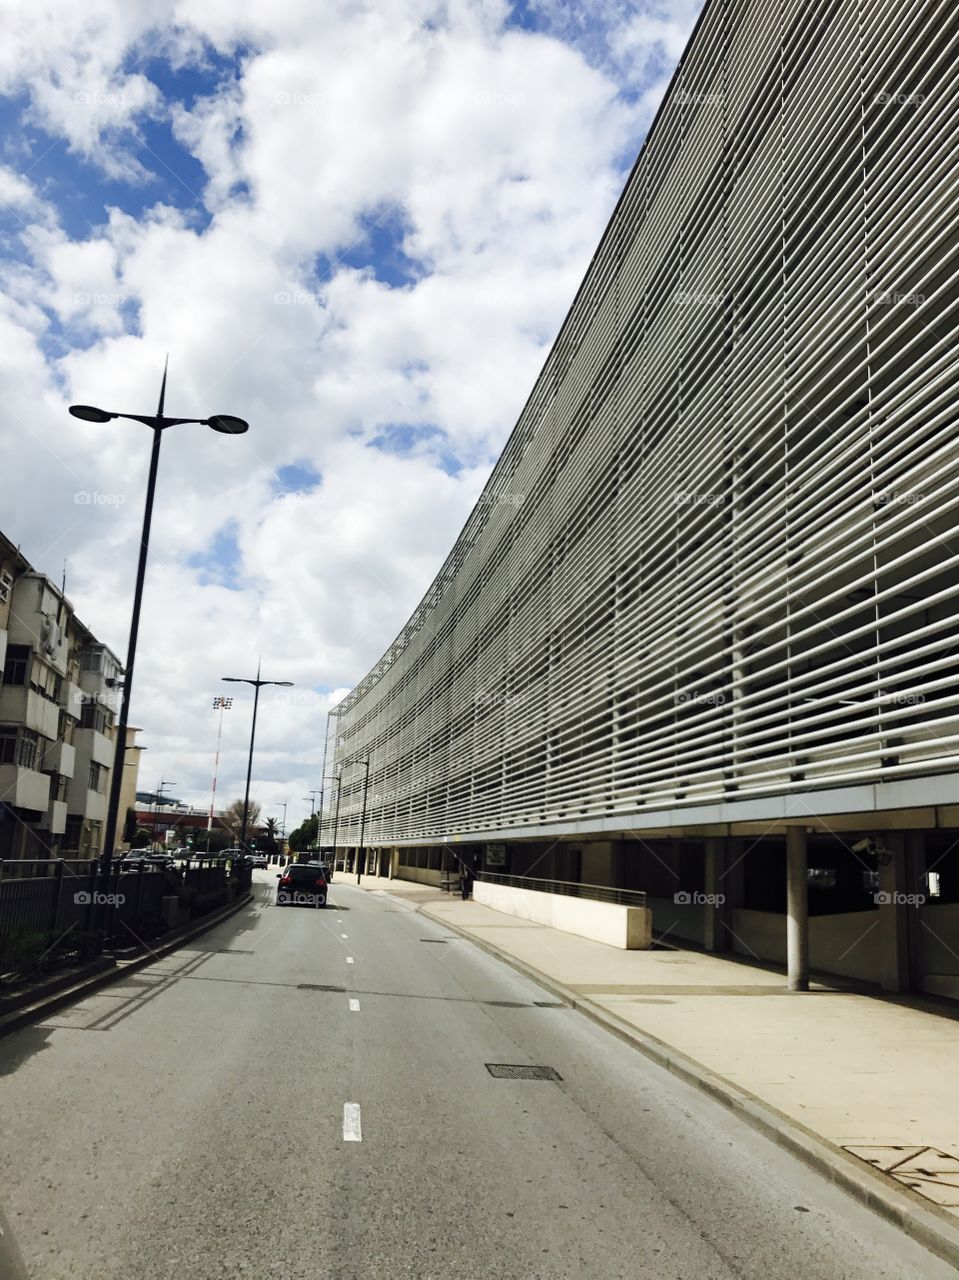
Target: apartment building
699,635
58,699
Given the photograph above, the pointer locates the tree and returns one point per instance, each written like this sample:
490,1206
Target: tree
232,818
269,833
304,837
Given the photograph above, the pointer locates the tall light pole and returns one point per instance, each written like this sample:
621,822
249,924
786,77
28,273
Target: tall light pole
337,777
359,847
158,423
221,705
257,685
326,743
157,801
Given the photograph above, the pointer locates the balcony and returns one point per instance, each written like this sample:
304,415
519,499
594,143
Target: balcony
24,788
55,818
92,746
3,646
82,802
71,698
24,706
59,758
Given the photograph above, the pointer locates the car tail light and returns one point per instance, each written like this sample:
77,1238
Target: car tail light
285,880
321,883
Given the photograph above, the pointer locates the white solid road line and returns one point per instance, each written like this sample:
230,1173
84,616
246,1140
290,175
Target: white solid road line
349,959
352,1129
344,935
354,1006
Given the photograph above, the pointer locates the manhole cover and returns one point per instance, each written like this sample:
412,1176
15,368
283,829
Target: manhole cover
316,986
520,1071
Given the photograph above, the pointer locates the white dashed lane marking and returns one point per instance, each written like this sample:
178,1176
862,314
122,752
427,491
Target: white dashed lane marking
349,959
354,1006
352,1129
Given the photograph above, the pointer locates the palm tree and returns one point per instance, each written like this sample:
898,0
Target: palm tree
232,817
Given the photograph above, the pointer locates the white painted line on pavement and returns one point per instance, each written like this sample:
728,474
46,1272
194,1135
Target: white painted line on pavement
344,935
349,959
352,1129
354,1006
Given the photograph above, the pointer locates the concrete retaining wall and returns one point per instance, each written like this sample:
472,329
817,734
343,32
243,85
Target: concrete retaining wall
848,945
421,875
627,927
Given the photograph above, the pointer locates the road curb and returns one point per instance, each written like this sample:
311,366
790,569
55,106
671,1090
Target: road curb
39,1009
930,1228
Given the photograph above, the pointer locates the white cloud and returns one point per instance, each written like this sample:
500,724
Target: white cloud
451,177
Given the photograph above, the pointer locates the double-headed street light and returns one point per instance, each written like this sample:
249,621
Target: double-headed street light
158,423
257,685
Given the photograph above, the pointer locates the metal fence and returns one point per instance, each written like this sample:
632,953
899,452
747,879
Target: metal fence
569,889
58,911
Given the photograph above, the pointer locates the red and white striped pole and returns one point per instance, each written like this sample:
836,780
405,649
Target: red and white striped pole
221,705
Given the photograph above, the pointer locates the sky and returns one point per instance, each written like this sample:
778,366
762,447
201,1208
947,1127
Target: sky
356,225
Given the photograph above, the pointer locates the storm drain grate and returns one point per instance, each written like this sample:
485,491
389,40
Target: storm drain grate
549,1004
520,1071
439,941
234,951
316,986
506,1004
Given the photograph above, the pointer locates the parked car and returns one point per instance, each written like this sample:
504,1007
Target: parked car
260,860
302,884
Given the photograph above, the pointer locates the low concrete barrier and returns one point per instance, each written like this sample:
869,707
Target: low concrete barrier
630,928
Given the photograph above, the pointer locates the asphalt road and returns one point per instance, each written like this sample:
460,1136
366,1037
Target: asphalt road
259,1105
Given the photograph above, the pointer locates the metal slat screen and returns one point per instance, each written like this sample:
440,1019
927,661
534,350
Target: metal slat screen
718,557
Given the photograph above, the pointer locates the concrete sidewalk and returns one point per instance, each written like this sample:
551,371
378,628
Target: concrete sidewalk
874,1074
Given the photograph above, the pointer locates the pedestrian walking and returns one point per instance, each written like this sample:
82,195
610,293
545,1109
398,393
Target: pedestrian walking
466,881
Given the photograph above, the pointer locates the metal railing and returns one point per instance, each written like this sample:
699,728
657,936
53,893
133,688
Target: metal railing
569,889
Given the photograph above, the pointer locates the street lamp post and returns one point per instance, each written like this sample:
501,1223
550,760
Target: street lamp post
257,685
359,847
158,423
337,778
157,801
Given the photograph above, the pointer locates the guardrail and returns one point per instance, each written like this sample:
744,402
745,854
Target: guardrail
569,889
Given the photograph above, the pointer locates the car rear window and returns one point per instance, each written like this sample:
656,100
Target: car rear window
305,873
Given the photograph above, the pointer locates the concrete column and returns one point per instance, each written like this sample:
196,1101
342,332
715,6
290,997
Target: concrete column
716,935
894,909
797,910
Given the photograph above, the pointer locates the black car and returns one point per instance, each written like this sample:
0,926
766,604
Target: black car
302,884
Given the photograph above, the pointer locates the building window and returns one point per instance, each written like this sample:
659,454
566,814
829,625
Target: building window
71,834
16,665
96,778
8,745
91,660
94,717
6,582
